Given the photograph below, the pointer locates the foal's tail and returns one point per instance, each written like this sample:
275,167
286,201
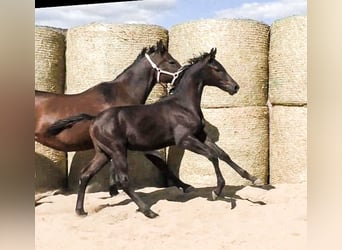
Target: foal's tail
62,124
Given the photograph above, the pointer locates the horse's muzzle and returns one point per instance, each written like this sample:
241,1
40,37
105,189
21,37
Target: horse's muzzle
231,87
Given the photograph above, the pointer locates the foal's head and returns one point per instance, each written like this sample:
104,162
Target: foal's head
214,74
163,60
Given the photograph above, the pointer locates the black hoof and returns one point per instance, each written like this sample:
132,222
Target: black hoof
113,191
149,213
81,212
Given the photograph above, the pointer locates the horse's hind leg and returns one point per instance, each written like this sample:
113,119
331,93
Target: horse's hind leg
225,157
99,160
120,161
193,144
154,157
113,188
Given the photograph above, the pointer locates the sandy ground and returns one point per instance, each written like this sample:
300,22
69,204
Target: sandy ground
245,217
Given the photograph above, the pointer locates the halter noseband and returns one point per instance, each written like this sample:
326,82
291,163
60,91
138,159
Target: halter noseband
159,71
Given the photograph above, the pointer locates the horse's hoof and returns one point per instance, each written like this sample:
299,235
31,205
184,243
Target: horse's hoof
113,191
81,212
258,182
188,189
214,195
150,214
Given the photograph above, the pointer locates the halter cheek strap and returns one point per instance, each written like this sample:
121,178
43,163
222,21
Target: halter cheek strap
159,71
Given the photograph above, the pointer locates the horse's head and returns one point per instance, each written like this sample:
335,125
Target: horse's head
160,56
214,74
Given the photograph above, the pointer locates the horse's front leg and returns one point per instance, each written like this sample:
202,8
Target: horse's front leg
156,159
225,157
193,144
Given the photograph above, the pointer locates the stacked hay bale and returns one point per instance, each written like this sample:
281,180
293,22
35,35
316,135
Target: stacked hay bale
239,123
100,52
288,99
50,164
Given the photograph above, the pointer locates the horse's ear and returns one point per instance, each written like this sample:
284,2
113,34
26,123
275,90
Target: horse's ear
212,53
160,46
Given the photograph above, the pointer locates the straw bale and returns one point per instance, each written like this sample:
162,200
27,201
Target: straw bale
242,48
288,61
288,144
242,132
49,59
50,164
99,52
142,173
50,168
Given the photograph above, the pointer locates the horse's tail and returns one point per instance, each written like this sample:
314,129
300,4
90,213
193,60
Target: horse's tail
62,124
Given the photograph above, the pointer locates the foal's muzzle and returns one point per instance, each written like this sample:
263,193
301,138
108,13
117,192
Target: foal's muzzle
231,87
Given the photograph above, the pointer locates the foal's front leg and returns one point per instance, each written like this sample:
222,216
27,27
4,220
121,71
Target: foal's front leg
193,144
225,157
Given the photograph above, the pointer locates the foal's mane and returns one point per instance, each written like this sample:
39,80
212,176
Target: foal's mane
191,62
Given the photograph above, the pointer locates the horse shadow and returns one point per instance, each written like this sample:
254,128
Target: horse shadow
175,153
229,195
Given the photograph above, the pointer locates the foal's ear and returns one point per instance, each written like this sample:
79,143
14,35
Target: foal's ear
212,53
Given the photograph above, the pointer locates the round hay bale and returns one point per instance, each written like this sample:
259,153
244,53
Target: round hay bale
99,52
50,168
288,61
50,164
288,144
242,132
49,59
142,172
242,48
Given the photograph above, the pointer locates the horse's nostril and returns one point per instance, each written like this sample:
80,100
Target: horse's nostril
236,88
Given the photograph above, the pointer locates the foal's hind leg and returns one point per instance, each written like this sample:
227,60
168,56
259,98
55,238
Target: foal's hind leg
193,144
154,157
113,188
225,157
99,160
120,160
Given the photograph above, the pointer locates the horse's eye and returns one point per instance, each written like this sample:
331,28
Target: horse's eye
217,69
172,62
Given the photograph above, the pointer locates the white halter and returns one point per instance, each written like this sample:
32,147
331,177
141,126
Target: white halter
159,71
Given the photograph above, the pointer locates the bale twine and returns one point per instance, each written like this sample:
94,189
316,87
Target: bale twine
242,132
288,144
50,164
49,59
288,61
100,52
242,48
142,173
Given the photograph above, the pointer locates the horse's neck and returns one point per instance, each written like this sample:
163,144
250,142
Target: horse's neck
138,81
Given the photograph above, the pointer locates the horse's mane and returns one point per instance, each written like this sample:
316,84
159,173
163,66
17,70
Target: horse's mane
191,62
159,48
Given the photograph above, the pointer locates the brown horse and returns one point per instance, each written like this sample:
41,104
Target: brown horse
131,87
174,120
